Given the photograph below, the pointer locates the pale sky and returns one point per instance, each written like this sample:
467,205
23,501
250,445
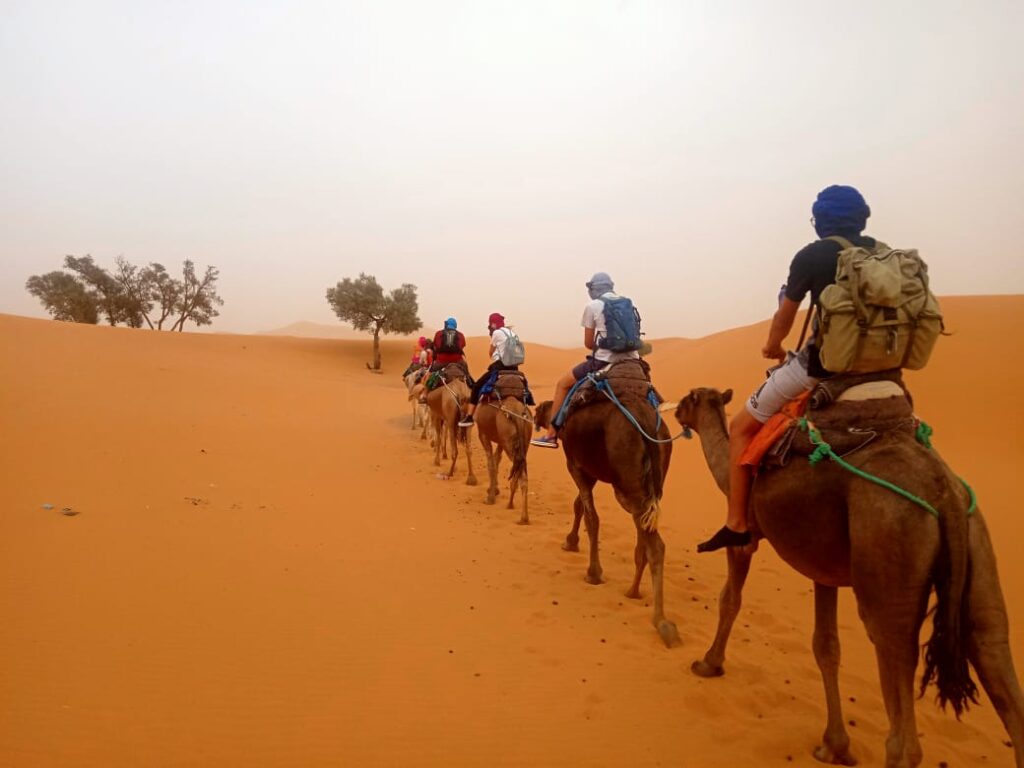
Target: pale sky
495,154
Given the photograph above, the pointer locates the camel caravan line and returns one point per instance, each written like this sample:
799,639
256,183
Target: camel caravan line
820,496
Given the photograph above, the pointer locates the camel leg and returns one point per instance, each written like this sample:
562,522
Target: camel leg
452,433
989,645
640,561
897,660
595,574
438,445
729,602
492,468
522,483
585,486
655,549
572,539
471,479
835,743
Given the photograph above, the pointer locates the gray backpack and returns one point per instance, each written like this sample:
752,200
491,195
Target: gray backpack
513,352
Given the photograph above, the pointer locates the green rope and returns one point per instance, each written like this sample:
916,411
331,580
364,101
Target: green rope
823,450
924,435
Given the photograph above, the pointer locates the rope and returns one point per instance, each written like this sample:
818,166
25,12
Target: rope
823,450
505,410
603,386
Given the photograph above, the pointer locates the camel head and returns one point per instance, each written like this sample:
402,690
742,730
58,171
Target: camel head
542,416
700,400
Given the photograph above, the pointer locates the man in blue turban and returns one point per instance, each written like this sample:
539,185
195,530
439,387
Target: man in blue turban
840,215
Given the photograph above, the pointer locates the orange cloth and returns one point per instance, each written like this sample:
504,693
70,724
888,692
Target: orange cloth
773,429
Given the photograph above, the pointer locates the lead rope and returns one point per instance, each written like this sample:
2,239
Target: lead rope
823,450
603,386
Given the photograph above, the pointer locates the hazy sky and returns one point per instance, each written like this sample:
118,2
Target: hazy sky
496,154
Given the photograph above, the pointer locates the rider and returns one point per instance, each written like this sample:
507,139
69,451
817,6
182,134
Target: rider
499,338
598,287
838,210
417,357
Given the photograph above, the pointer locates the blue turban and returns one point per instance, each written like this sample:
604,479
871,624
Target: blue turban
450,323
840,210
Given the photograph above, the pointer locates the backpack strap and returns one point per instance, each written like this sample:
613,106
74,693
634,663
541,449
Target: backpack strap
841,240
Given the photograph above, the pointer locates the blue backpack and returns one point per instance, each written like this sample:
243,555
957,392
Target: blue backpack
622,326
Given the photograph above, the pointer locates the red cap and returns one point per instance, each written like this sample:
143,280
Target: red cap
496,319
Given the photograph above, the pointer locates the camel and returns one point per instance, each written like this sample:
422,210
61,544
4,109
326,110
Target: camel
504,427
841,530
601,444
445,404
419,410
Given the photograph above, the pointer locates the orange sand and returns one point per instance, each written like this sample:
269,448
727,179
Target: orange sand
265,571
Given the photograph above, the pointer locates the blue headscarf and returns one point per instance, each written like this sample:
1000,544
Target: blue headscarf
450,323
840,210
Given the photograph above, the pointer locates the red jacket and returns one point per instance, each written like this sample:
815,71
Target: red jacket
448,357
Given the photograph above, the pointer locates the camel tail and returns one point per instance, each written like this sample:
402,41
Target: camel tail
653,481
945,653
518,454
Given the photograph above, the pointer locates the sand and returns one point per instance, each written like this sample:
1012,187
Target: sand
264,570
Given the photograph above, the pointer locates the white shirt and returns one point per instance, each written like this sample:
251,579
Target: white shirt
593,317
499,338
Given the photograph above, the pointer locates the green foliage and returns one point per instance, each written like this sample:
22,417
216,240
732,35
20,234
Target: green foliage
362,303
84,292
64,297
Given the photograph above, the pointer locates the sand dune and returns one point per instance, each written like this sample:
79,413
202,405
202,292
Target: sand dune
264,570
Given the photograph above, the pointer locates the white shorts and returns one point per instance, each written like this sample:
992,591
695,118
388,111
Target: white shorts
786,382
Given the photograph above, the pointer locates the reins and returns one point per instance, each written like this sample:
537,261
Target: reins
823,450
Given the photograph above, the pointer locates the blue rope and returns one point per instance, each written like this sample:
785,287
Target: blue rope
605,387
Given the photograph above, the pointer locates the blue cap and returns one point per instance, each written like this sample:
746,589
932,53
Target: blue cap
450,323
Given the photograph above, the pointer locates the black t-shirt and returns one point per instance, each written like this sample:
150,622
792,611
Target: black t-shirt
813,268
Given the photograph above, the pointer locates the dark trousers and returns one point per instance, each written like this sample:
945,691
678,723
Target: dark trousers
497,365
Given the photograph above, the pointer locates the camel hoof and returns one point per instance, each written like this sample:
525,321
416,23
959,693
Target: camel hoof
669,633
470,480
523,521
633,594
592,579
702,669
826,755
571,546
489,500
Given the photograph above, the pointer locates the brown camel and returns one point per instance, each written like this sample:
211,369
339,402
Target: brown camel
504,427
445,404
841,530
601,444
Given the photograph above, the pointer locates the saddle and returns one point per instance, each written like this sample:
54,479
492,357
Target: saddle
849,412
629,380
506,384
451,372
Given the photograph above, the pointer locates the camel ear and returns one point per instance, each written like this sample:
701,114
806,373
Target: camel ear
726,396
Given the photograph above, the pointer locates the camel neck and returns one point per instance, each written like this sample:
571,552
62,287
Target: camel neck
714,441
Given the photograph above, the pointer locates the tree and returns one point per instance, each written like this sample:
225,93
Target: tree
197,298
108,294
84,292
65,297
362,303
164,292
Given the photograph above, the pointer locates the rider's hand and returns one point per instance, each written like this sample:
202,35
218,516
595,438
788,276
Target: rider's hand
775,352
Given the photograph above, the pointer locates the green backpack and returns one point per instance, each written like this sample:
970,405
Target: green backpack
879,313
